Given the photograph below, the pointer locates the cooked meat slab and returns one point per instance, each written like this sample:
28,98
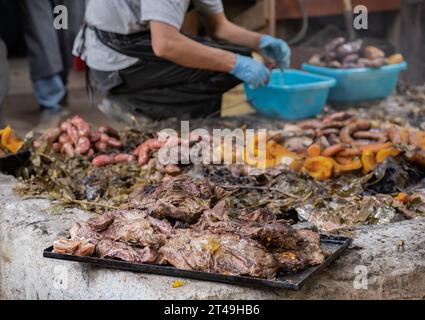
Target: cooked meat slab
227,254
257,226
189,225
117,250
181,199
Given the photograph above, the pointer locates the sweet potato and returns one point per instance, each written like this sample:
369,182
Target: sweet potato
68,149
124,158
82,126
109,131
83,145
103,160
395,59
372,53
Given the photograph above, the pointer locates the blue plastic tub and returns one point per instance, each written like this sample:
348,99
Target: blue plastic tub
360,84
291,95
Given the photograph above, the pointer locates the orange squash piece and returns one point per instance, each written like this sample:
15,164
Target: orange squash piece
351,166
320,168
314,150
383,154
402,197
376,147
9,141
368,160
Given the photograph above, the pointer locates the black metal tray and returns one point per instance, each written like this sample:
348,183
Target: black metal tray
333,246
10,163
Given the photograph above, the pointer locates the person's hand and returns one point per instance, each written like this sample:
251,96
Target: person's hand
250,71
277,49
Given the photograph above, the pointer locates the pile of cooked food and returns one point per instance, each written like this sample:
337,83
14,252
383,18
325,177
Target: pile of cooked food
189,224
328,174
342,54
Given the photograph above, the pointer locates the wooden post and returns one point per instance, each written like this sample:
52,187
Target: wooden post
272,17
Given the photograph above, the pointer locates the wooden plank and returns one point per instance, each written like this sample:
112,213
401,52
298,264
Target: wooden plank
289,9
254,18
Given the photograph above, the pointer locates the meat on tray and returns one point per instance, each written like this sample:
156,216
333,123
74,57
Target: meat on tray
117,250
181,199
228,254
271,233
208,236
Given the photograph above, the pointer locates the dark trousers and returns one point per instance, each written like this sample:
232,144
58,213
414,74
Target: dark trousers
50,50
162,89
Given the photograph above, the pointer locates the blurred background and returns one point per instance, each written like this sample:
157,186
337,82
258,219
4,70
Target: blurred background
27,32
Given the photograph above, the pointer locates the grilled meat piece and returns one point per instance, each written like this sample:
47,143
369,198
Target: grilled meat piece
85,232
137,232
181,199
288,261
227,254
270,233
308,253
117,250
77,247
102,222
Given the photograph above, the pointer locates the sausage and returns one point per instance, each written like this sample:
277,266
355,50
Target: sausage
103,160
124,158
333,150
83,145
68,149
327,132
370,135
347,131
350,152
109,131
394,135
82,126
310,124
101,146
337,124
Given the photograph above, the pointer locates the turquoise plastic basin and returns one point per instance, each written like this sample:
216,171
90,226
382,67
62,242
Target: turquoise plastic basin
291,95
360,84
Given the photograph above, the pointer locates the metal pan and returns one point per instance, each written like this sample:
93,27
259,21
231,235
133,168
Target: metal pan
11,163
333,246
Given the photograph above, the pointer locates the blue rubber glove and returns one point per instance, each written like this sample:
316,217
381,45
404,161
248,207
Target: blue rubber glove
277,49
251,71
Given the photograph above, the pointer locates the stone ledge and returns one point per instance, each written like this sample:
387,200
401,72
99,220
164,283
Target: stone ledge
26,229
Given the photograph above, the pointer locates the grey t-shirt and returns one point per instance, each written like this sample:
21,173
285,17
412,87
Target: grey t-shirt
130,16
